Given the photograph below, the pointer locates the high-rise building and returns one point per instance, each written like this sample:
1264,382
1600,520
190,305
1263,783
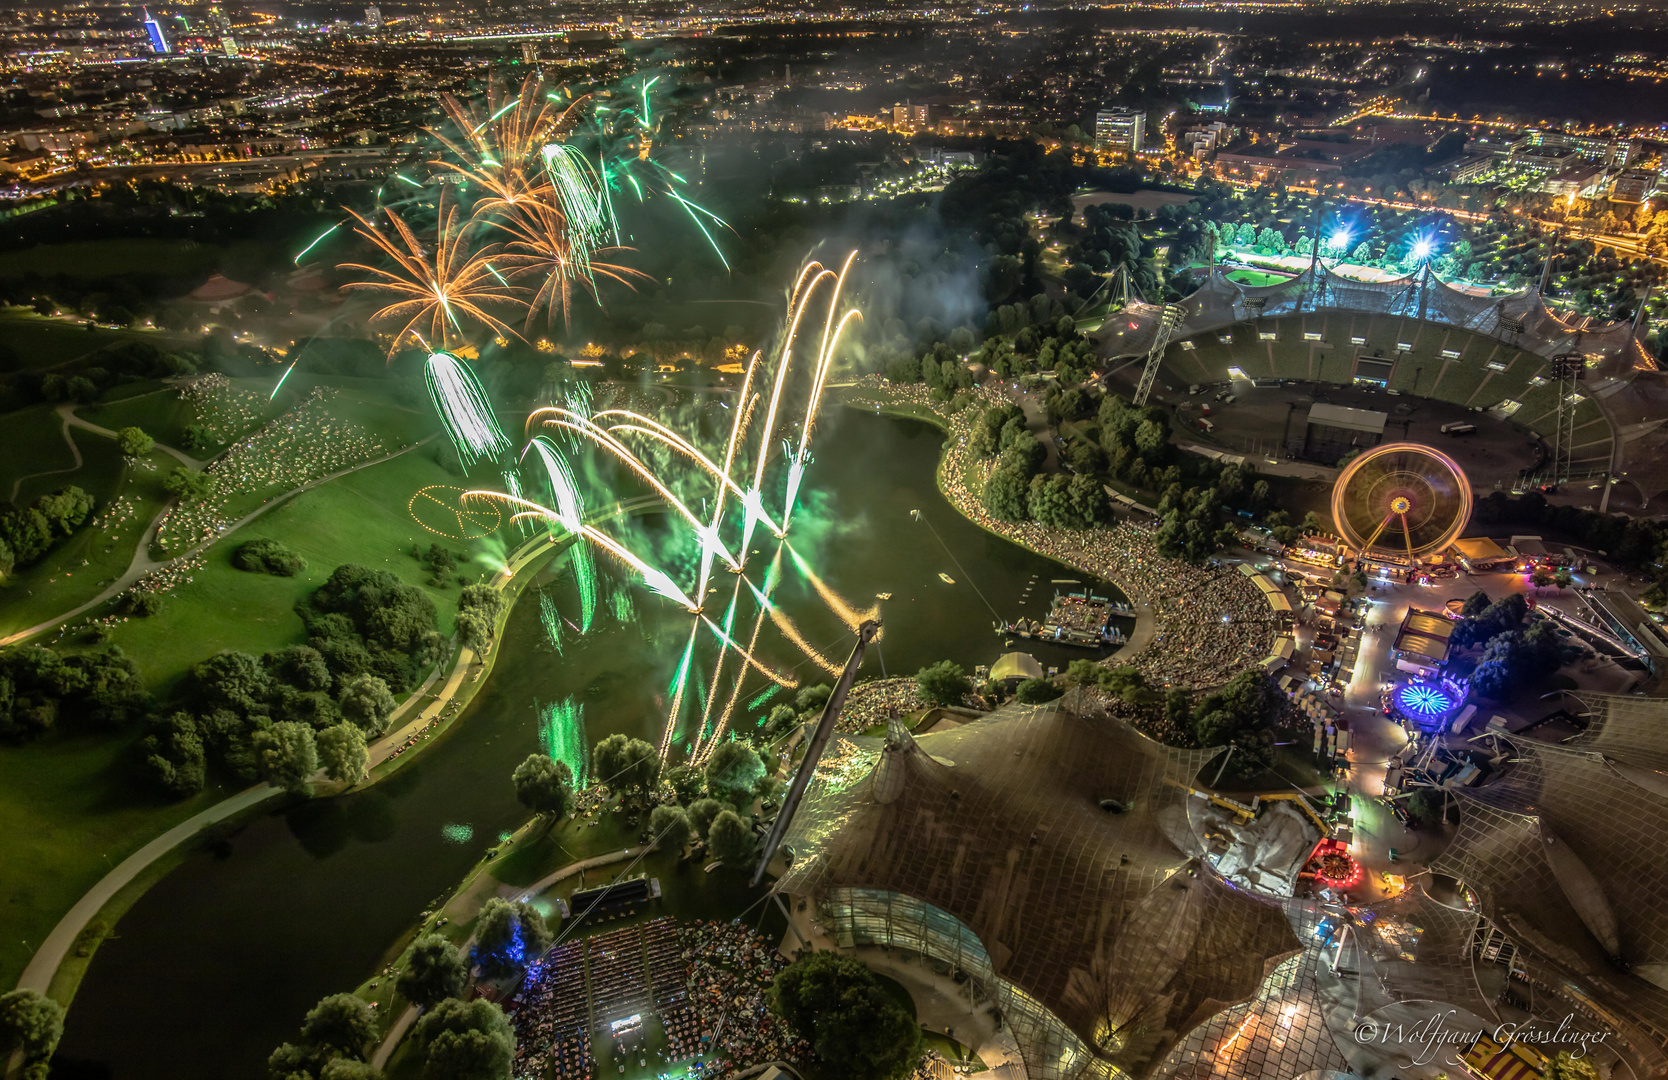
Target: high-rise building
1121,130
529,55
373,17
218,21
153,31
228,45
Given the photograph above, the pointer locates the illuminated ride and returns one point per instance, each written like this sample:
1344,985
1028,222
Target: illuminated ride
1401,498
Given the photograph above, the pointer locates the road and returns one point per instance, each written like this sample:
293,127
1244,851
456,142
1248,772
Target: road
1374,738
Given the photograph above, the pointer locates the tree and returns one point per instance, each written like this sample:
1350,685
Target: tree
1475,604
30,1022
701,813
348,1069
189,485
268,557
731,840
733,771
1542,578
133,442
343,1023
286,755
625,765
1082,672
507,935
1005,494
367,701
469,1040
544,786
1036,691
857,1029
342,753
812,698
434,972
1563,578
943,683
474,632
671,824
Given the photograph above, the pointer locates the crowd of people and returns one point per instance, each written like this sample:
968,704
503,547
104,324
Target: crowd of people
222,410
306,444
876,701
731,967
1210,622
708,982
551,1017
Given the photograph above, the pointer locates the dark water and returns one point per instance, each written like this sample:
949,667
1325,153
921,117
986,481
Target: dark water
218,962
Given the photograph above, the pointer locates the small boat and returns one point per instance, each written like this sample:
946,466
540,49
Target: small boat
883,596
946,579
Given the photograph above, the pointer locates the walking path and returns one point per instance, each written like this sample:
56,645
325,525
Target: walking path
44,964
143,564
75,451
67,411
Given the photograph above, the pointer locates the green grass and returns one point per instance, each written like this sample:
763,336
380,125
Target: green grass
72,812
31,441
93,556
1256,278
160,412
359,518
42,342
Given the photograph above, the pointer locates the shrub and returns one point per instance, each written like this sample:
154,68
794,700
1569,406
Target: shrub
268,557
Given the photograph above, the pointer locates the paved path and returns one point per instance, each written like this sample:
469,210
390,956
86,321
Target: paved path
67,411
75,451
44,964
143,564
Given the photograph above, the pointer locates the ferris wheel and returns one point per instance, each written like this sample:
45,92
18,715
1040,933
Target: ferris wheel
1401,497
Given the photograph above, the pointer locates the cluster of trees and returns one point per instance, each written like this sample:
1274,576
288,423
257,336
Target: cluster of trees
366,621
267,557
1515,645
856,1026
1049,341
86,379
1243,714
440,562
27,534
479,607
32,1023
1018,490
38,688
336,1037
939,367
286,715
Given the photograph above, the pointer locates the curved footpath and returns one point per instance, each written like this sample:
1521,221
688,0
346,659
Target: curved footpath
46,960
143,564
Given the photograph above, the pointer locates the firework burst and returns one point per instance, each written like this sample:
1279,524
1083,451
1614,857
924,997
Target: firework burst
434,288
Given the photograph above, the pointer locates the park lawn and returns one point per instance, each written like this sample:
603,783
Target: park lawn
92,557
72,812
117,256
31,441
164,415
43,342
1257,278
359,518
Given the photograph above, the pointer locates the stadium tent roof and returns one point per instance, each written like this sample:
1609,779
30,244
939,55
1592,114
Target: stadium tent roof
1061,841
1564,854
1340,416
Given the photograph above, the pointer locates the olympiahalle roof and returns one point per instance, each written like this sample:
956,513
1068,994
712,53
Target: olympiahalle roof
1061,840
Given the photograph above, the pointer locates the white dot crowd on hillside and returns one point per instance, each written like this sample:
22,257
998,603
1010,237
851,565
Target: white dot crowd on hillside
305,444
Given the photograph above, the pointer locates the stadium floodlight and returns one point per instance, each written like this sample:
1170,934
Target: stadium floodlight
1422,249
1340,240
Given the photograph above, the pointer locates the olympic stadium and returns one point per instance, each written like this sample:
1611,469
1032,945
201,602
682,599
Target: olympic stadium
1499,357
